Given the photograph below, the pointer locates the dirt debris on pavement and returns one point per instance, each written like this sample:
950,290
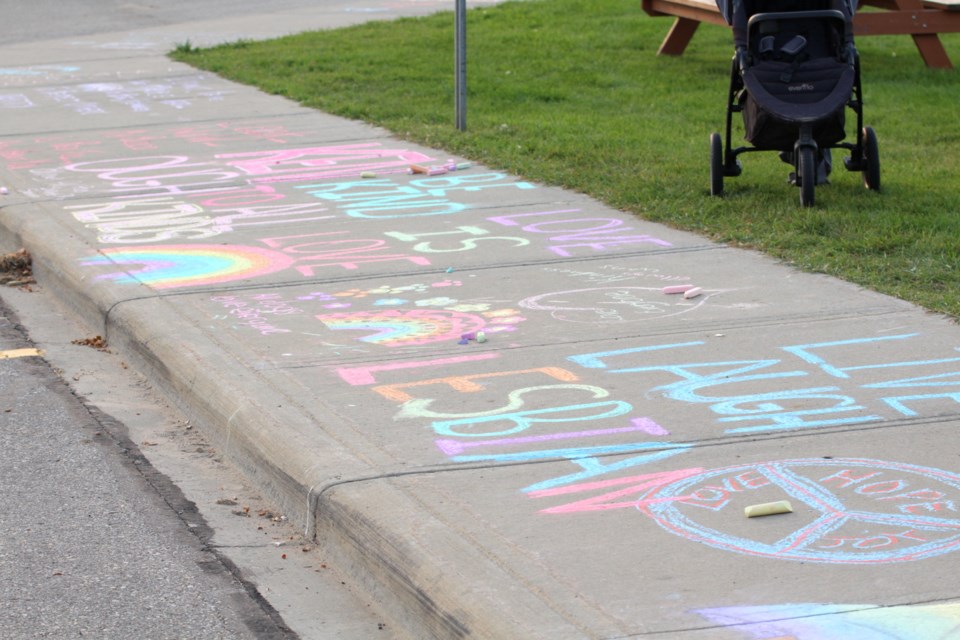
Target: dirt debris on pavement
16,269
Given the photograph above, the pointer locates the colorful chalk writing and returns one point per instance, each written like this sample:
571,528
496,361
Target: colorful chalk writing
846,510
563,418
322,163
159,218
137,96
450,240
230,181
570,234
906,386
817,621
254,313
36,70
384,199
56,150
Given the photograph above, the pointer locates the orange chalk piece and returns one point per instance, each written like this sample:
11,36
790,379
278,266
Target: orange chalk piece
768,509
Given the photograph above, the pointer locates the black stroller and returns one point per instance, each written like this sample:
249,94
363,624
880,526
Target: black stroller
795,70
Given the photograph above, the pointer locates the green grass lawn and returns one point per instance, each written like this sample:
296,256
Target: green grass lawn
571,93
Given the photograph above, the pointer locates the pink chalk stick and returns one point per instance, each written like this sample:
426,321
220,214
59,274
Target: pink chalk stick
678,288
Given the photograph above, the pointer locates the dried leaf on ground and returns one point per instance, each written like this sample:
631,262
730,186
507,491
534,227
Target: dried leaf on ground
16,269
97,342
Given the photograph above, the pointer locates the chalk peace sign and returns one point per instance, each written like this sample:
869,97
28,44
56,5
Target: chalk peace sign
846,510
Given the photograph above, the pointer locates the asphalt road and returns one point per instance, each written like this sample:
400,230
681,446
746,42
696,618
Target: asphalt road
93,542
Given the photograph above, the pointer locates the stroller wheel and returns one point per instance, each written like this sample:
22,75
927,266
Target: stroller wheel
716,165
871,160
807,175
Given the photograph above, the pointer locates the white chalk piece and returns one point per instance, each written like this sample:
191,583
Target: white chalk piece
481,336
768,509
692,293
4,190
678,288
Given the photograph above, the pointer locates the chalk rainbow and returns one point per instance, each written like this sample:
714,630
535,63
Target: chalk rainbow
176,266
393,328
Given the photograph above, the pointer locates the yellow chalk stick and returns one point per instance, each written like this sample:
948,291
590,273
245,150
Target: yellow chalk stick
19,353
768,509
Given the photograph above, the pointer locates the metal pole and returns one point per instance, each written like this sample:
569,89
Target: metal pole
460,61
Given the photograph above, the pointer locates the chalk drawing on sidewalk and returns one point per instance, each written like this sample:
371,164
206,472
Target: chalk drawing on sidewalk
15,101
847,511
137,96
387,315
411,327
176,266
613,305
815,621
396,327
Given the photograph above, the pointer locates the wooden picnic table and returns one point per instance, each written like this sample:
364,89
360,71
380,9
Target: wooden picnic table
924,20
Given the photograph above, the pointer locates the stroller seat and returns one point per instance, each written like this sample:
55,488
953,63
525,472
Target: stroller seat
795,74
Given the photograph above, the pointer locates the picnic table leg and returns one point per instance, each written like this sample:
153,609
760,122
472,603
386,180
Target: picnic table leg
679,37
928,44
932,51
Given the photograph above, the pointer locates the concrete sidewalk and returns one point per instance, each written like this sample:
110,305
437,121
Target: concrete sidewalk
476,388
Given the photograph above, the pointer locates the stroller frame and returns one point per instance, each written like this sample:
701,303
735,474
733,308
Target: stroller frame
808,155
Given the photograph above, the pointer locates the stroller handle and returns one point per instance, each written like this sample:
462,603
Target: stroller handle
795,15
